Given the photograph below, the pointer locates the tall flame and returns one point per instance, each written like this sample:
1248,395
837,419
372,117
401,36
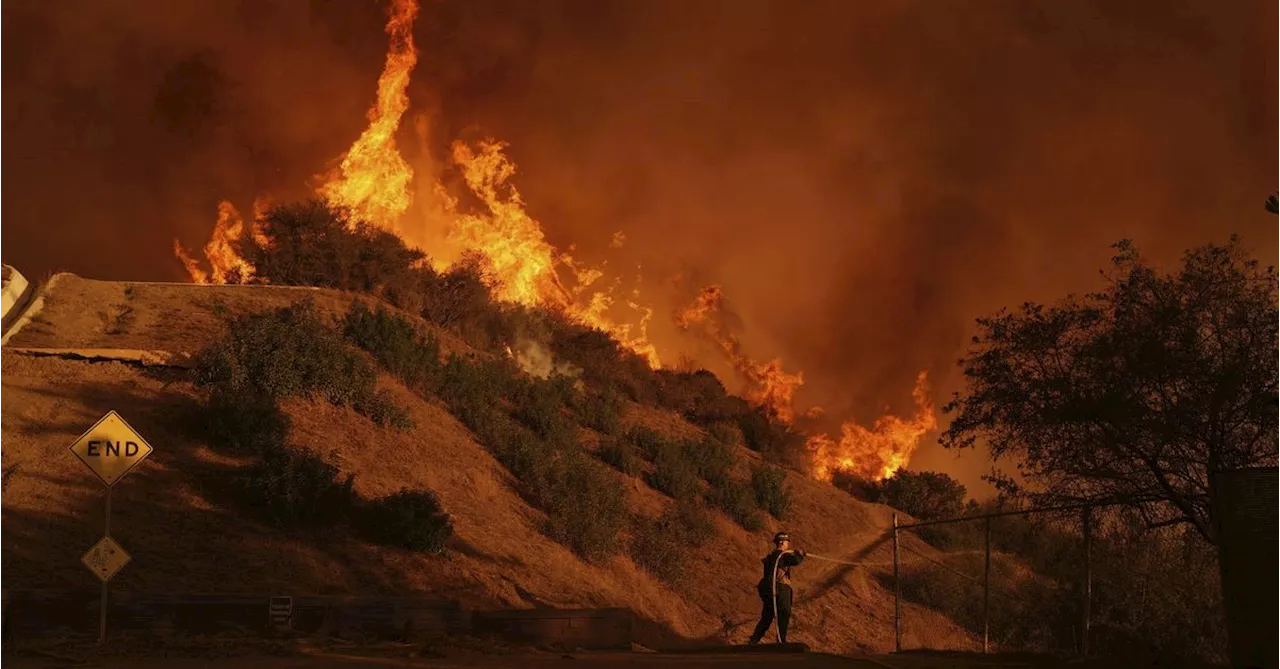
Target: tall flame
767,384
877,452
373,179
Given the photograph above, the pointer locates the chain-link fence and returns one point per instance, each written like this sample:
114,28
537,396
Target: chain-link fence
1066,581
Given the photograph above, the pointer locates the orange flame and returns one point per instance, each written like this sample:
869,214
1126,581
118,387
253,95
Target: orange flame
373,180
767,384
875,453
523,267
226,264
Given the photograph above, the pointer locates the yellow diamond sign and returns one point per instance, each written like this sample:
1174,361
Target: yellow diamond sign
111,448
106,559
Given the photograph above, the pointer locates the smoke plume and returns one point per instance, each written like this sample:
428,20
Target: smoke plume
863,178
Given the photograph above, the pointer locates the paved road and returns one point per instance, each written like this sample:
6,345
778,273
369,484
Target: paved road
522,661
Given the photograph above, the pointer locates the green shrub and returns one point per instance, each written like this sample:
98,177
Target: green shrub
695,524
410,519
662,546
396,345
621,455
648,442
287,352
726,433
382,410
713,460
7,472
600,411
539,405
738,501
673,472
588,507
771,489
294,488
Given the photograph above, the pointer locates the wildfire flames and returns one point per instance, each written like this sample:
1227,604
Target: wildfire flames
878,452
373,180
767,384
374,183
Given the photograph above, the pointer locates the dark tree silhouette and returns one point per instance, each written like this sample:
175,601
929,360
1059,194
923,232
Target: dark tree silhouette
1273,204
1134,394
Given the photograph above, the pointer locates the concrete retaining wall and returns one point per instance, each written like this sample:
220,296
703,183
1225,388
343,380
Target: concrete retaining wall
592,629
13,295
33,613
38,612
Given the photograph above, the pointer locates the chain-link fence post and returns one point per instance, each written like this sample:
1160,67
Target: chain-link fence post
897,592
986,587
1086,586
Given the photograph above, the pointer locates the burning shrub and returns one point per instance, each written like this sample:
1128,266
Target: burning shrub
661,546
316,244
294,488
673,472
600,411
713,460
737,500
410,519
772,492
396,345
621,455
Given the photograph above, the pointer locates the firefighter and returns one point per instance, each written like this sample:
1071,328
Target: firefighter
775,588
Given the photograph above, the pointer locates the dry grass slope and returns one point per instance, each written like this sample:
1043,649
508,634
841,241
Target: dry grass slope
172,516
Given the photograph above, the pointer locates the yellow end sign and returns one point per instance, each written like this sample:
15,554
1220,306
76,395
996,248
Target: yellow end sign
111,448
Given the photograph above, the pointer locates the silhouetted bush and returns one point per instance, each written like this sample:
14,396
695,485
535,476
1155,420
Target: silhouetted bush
315,244
924,495
673,472
738,501
771,490
774,439
396,345
294,488
712,459
410,519
621,455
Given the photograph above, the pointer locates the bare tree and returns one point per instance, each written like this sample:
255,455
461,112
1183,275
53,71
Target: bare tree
1134,394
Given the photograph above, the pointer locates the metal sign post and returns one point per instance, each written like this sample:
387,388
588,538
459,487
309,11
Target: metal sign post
110,449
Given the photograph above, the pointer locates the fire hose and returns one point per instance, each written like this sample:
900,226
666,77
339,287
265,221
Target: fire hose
777,629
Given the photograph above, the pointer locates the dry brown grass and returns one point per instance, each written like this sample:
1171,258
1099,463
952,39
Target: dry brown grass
174,514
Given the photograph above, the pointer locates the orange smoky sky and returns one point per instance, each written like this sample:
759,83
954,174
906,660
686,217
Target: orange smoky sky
863,179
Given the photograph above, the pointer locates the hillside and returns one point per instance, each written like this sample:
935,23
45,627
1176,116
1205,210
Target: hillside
172,513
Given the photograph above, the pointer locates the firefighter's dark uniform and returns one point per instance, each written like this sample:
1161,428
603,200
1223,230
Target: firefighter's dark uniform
785,562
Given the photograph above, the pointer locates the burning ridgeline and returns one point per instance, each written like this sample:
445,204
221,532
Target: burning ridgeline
373,184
